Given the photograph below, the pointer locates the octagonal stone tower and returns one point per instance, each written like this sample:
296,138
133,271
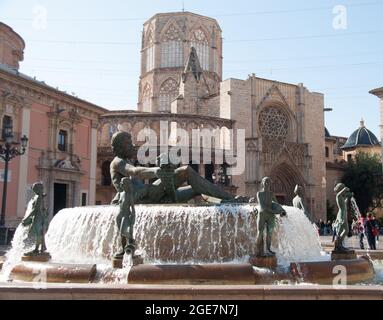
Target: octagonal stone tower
11,47
166,43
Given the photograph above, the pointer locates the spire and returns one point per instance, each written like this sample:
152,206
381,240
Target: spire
192,66
362,123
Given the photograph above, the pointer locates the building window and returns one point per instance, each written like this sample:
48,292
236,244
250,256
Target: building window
273,123
106,179
168,92
172,53
63,141
327,152
84,199
201,44
149,52
146,98
7,122
149,58
349,157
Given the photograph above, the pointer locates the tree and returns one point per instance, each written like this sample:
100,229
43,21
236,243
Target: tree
364,176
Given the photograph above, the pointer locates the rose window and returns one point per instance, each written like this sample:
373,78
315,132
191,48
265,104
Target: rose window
273,123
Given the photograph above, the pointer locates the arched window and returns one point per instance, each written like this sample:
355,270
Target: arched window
201,44
146,98
149,53
168,92
172,54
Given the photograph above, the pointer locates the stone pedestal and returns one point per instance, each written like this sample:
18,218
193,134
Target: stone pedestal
263,262
42,257
118,263
340,255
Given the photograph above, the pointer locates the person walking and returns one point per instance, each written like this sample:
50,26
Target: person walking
360,232
321,227
333,232
370,231
377,225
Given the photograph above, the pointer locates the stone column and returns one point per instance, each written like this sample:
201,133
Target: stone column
23,170
93,164
301,114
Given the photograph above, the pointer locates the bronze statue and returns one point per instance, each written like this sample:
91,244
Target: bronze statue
341,222
126,219
36,219
156,192
298,200
269,208
166,174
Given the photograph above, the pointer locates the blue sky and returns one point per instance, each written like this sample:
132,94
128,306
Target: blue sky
92,48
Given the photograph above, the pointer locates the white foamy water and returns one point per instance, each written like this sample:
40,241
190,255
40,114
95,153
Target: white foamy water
172,234
298,239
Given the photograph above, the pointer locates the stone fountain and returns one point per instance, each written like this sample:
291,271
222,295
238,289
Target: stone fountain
180,244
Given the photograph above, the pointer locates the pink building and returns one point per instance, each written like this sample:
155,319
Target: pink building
62,132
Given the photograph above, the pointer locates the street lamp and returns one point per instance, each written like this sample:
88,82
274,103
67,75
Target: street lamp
9,151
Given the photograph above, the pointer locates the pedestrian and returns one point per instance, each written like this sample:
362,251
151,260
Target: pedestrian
377,225
360,232
333,232
371,231
321,227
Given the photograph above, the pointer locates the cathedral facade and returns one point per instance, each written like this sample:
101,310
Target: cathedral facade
181,84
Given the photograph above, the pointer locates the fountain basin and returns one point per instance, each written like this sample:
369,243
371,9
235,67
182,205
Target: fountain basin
53,273
324,272
217,274
186,292
169,234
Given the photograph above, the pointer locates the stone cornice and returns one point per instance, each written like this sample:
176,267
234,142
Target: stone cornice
134,116
42,93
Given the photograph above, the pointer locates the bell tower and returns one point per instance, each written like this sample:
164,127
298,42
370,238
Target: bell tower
167,39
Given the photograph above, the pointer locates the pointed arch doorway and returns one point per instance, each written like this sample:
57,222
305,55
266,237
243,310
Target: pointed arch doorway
284,178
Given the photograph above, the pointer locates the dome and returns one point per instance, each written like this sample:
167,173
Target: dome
327,133
361,138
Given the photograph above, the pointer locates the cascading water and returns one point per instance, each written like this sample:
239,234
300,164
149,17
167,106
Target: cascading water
173,235
355,207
